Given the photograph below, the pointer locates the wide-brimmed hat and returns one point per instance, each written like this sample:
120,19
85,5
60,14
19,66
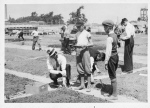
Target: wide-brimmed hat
51,51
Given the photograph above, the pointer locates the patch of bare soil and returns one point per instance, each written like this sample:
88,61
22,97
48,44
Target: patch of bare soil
14,84
62,95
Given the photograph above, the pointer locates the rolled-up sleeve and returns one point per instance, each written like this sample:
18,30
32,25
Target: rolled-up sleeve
89,36
63,65
128,31
108,49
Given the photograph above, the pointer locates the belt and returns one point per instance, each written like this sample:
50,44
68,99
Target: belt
113,54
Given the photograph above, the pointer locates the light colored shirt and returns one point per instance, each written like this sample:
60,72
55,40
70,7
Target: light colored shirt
92,62
67,33
129,30
18,32
62,63
83,38
35,33
108,48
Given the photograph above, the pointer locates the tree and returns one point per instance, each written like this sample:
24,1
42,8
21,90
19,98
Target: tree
12,20
77,16
49,18
33,14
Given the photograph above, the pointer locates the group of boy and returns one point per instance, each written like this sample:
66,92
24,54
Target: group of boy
86,56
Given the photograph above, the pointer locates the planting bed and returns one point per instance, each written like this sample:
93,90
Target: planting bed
59,96
14,84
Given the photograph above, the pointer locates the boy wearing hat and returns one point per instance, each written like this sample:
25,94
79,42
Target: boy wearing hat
129,45
111,60
58,67
82,55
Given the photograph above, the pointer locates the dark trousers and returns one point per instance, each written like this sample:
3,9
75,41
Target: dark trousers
94,68
128,54
54,77
66,45
21,35
36,40
112,66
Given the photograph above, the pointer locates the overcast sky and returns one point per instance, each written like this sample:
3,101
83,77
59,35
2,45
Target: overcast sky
95,13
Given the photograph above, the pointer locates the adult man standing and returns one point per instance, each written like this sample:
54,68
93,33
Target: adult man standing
129,45
82,55
58,67
35,35
67,49
111,60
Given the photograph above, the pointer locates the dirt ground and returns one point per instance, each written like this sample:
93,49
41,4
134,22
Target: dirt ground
14,84
132,85
59,96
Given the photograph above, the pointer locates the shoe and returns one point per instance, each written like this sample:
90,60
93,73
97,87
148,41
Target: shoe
40,49
80,88
130,71
111,98
55,83
127,72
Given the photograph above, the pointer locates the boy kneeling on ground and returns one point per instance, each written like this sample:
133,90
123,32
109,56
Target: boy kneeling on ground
58,67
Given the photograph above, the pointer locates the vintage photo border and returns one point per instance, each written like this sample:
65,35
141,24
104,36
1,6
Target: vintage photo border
61,105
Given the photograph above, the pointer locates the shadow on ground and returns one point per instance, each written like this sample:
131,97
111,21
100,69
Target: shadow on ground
55,46
17,40
105,88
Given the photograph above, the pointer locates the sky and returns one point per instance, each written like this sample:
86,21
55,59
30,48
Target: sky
95,13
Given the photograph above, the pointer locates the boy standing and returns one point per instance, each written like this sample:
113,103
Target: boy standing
36,39
82,55
111,60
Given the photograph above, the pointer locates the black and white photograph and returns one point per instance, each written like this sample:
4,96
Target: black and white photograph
75,53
